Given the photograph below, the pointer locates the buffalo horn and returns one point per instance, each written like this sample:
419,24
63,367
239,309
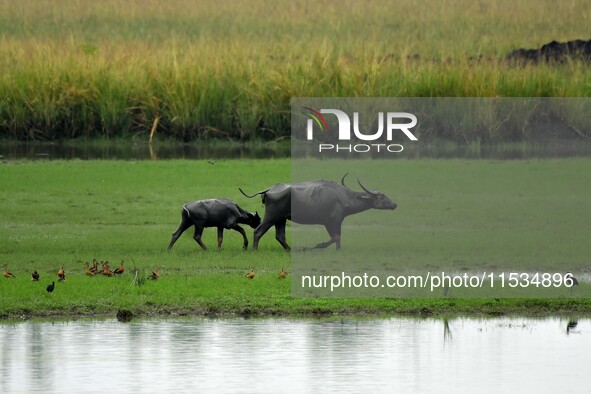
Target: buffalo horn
365,189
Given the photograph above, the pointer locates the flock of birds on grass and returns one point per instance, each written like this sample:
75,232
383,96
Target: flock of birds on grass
105,270
250,275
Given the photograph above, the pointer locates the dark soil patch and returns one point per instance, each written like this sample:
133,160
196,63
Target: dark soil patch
554,52
124,315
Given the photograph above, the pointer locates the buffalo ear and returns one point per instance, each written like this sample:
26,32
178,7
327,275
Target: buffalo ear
257,215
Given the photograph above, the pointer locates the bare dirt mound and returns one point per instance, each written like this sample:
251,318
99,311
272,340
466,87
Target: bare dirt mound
554,52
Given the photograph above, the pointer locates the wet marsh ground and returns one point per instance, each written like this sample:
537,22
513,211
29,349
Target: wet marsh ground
61,212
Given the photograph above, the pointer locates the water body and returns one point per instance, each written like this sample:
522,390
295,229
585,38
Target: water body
132,150
459,355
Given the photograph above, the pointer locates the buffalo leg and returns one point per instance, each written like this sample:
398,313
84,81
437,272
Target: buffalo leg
241,231
197,237
185,224
259,232
220,237
280,234
335,236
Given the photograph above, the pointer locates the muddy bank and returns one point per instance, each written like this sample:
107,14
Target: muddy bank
325,308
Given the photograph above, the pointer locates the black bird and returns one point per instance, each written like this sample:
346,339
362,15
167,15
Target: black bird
50,287
575,281
35,276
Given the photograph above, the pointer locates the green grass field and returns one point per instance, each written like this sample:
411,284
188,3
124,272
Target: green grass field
225,69
59,212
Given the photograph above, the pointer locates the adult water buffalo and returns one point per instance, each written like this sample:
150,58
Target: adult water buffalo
315,202
219,212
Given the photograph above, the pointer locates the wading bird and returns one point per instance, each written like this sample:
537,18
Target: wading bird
50,287
282,274
572,277
6,273
121,269
155,275
35,276
251,274
574,280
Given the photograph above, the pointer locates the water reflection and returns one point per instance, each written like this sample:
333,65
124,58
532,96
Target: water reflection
282,355
132,150
571,325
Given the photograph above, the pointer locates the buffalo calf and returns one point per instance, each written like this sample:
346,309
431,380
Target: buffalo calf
218,212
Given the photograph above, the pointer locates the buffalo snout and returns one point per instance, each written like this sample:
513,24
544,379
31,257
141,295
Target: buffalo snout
391,205
384,202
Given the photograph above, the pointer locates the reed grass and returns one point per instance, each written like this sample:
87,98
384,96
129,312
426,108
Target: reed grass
228,70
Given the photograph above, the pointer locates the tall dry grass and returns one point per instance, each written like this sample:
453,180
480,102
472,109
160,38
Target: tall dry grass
228,69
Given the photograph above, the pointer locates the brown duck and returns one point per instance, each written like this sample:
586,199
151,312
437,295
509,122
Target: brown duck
61,274
121,269
7,274
155,275
87,271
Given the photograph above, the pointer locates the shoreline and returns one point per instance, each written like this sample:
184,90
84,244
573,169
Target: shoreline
410,307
